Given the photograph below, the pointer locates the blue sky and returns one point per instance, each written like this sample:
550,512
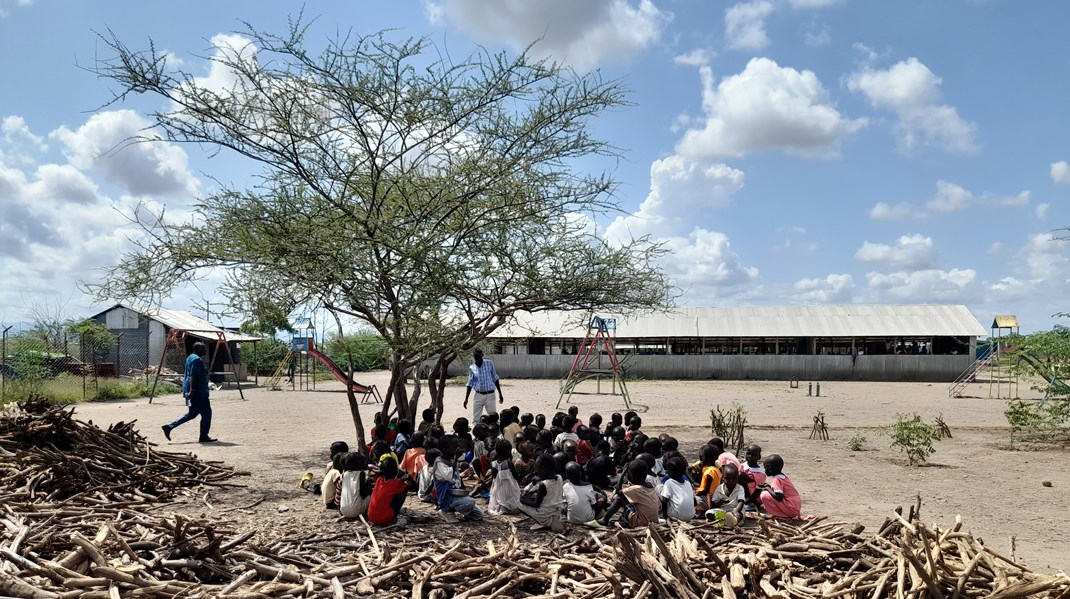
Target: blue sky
787,151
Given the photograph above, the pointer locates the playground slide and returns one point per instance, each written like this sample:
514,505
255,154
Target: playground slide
1041,369
337,371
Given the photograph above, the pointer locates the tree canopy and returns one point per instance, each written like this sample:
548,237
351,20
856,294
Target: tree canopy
430,198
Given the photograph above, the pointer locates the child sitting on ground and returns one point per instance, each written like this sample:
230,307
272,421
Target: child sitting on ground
316,488
388,495
542,499
453,503
403,438
581,499
356,486
525,464
729,498
425,481
600,468
710,477
504,488
428,420
415,459
752,474
677,494
638,498
332,481
778,496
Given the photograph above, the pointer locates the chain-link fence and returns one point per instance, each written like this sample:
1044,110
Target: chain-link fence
70,362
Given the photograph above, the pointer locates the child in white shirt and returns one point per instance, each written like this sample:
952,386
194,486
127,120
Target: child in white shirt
729,498
677,494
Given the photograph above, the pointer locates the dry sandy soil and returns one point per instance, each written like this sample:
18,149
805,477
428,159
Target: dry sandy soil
277,435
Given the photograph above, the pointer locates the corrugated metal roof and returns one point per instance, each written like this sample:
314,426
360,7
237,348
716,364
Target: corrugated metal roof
763,321
183,320
1005,321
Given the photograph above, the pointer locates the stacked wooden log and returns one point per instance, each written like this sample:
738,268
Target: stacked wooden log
98,536
46,455
104,552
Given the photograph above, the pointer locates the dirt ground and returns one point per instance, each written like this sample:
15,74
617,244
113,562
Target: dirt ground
277,435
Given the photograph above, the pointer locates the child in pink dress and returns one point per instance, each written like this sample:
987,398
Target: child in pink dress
778,496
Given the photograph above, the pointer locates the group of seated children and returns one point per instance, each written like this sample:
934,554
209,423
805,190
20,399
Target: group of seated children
569,471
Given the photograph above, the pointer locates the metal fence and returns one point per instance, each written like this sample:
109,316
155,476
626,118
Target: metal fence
37,355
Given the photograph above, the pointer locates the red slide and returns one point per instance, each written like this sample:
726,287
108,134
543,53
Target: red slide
337,372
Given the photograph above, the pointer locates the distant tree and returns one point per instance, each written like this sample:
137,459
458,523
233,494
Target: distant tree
1045,354
359,352
94,339
429,198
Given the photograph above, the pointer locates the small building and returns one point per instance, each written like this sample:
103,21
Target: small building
141,335
832,342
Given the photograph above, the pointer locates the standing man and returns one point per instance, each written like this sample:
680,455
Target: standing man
195,390
484,379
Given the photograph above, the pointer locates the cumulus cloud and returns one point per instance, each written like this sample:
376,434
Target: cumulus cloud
681,189
5,4
766,107
19,145
834,288
682,192
912,91
818,36
1045,257
1042,211
581,34
949,198
104,143
744,25
910,252
1060,171
921,286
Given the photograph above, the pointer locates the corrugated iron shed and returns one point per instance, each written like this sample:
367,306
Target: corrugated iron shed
763,321
183,320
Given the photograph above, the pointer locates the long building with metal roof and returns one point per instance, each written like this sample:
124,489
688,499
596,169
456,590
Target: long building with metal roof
861,342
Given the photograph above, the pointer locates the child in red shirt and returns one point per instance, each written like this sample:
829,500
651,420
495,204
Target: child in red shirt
388,495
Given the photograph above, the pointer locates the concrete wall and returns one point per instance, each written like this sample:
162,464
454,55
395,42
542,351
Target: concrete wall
924,368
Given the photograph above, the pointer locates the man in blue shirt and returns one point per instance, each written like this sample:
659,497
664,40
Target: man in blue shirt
195,390
484,379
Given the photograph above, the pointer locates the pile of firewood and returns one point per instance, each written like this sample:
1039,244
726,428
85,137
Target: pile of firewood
76,521
46,455
112,552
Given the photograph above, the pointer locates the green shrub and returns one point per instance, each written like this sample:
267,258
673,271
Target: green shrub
263,357
913,437
1037,421
857,442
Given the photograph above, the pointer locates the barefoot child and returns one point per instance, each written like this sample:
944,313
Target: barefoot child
729,498
542,499
638,498
778,497
453,503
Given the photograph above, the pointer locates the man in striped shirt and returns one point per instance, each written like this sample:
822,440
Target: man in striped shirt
484,379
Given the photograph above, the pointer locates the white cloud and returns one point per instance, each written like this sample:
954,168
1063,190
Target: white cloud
105,143
1042,211
744,25
883,211
1046,257
695,58
910,252
766,107
949,198
922,286
581,34
229,47
1060,172
19,145
682,193
834,288
912,91
4,4
681,190
996,248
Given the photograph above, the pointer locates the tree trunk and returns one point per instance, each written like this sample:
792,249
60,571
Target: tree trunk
436,384
358,423
414,401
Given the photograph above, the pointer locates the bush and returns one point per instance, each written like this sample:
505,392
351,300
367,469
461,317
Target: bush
729,426
857,442
263,358
368,351
1037,421
913,437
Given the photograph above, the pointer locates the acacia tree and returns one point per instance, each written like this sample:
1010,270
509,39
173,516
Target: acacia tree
430,198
